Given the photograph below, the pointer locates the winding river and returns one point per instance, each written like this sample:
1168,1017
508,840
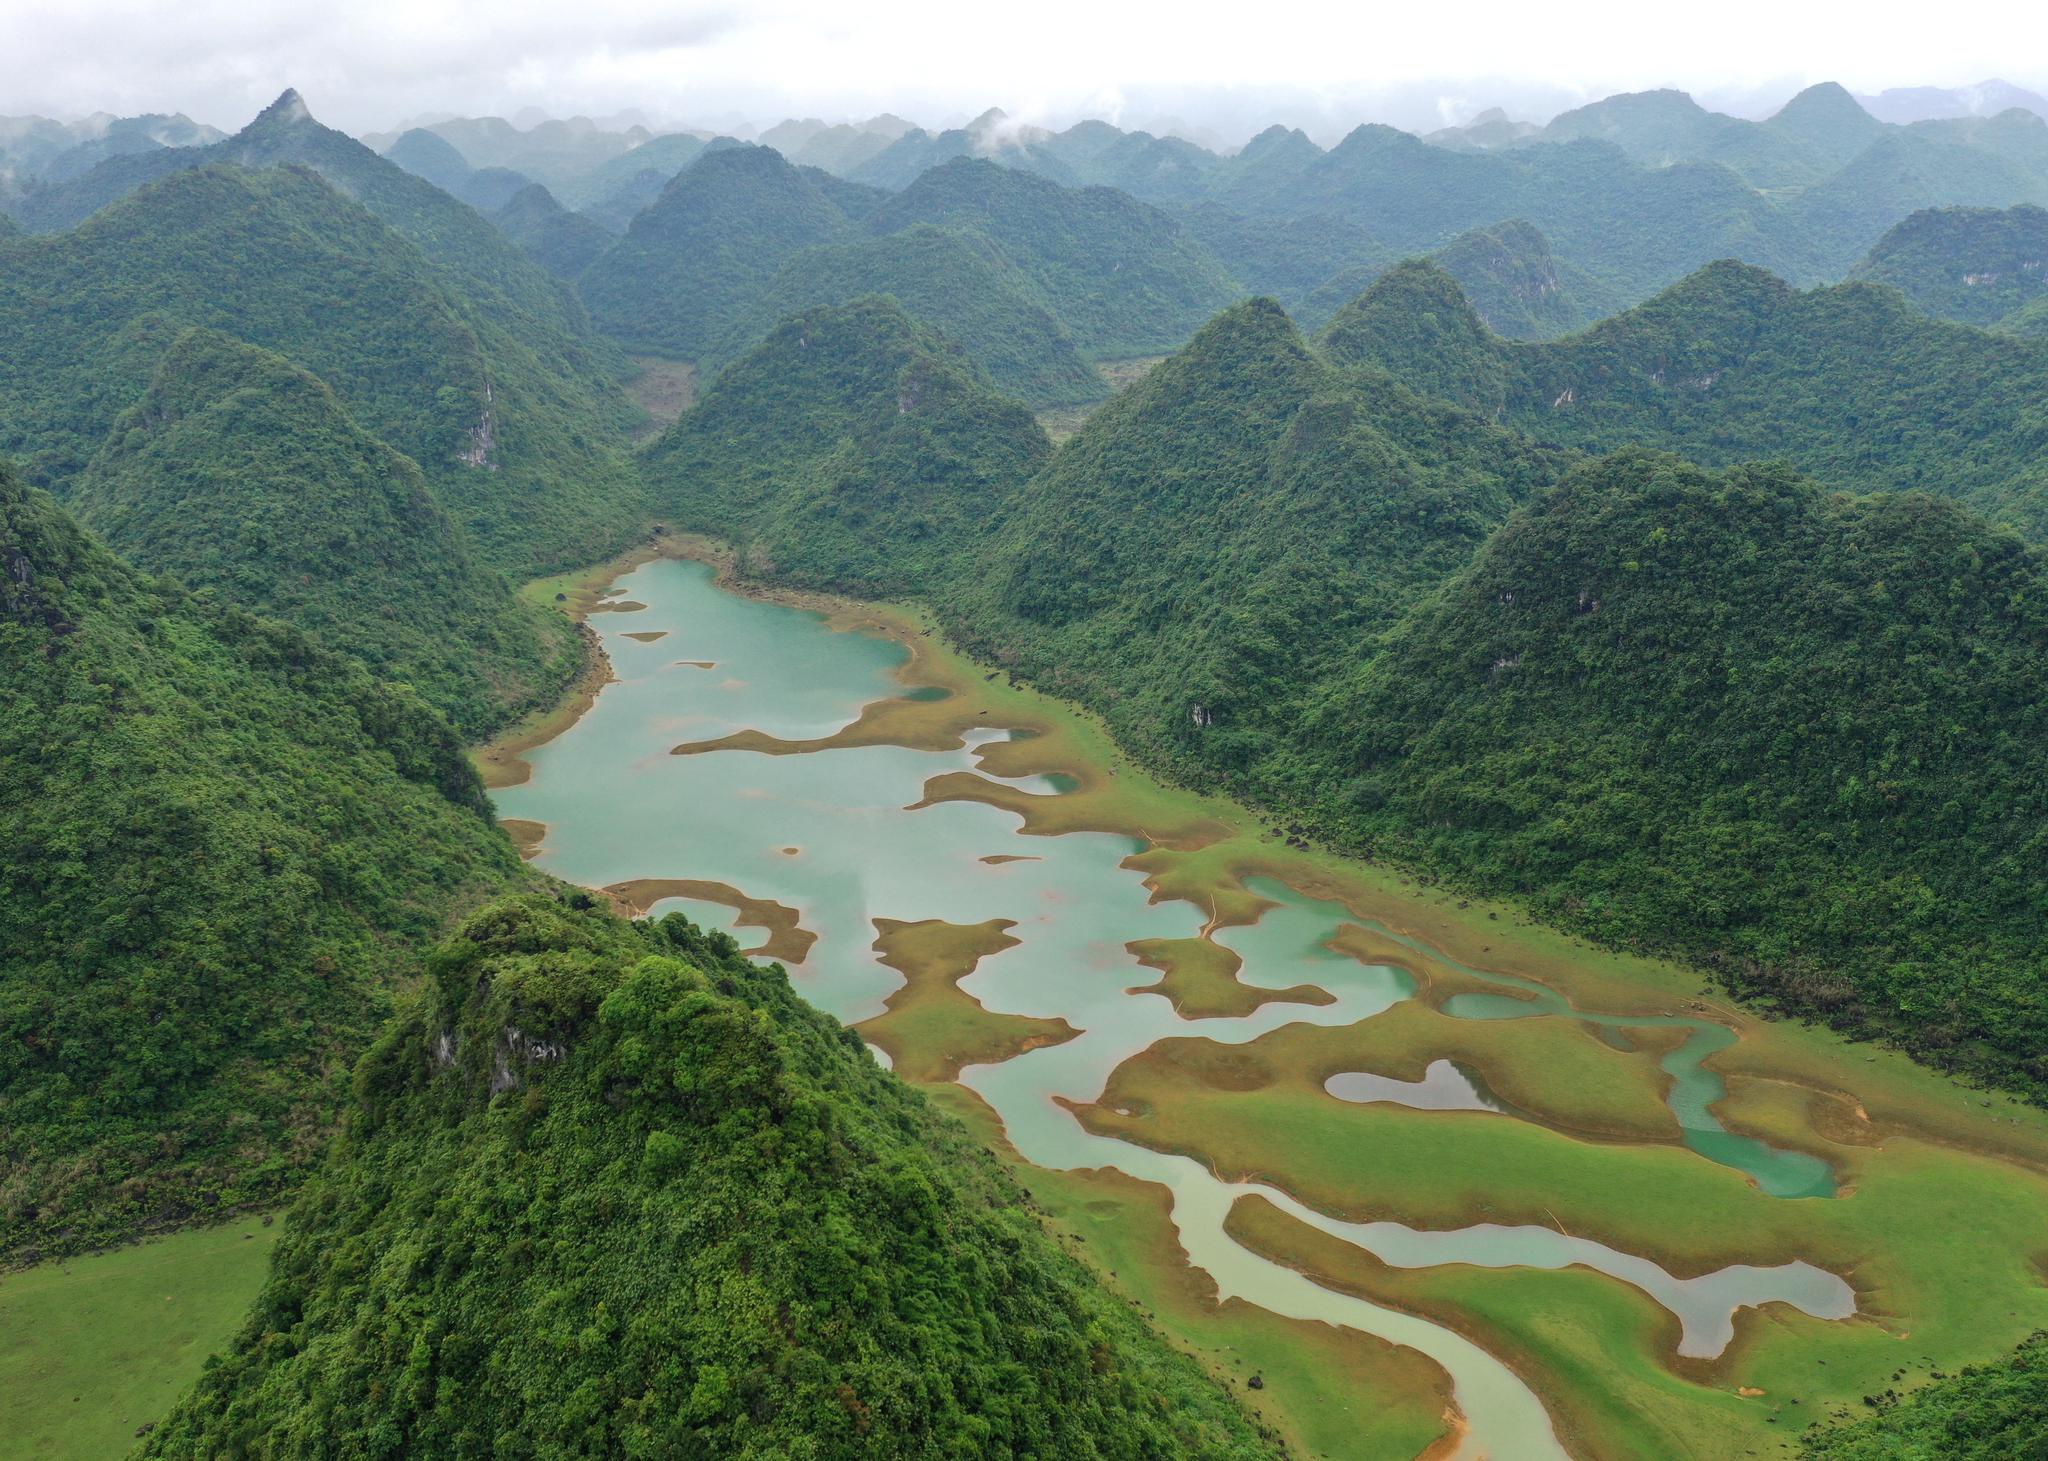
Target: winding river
833,834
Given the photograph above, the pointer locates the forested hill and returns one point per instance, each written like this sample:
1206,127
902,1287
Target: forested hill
706,247
1976,265
1229,532
853,449
513,430
1850,383
956,281
1800,736
455,237
652,1203
220,850
1122,276
240,472
1740,719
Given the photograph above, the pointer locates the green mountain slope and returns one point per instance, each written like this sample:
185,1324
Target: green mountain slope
240,472
666,155
706,249
854,449
1663,127
493,273
1287,258
957,282
561,242
1123,277
1228,532
1850,383
218,845
1799,736
1904,171
508,421
1976,265
611,1189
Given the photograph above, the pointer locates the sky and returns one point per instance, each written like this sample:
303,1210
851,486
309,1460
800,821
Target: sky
1227,69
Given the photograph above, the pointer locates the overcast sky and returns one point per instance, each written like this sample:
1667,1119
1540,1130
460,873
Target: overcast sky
367,64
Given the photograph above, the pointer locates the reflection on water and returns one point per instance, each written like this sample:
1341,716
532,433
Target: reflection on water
618,806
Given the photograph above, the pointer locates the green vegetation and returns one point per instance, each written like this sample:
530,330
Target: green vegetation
511,420
662,156
1795,736
1987,1413
854,449
1850,383
1737,720
1226,532
240,472
1976,265
613,1188
561,242
1124,278
94,1350
706,249
958,283
220,848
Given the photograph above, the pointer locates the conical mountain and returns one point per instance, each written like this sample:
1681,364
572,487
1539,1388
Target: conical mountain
1655,705
1828,122
956,281
561,242
431,156
240,472
1731,364
1416,323
511,422
1977,265
1122,276
1222,537
706,248
613,1189
219,847
854,448
286,132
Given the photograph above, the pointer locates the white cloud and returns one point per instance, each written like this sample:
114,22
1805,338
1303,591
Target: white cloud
373,62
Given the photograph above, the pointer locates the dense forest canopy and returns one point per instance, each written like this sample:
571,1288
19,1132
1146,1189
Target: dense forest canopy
516,431
240,472
651,1202
1850,383
853,449
222,848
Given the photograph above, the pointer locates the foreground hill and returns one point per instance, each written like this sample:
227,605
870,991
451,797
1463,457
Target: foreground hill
240,472
219,847
1850,383
508,422
853,449
957,282
1800,736
649,1202
1976,265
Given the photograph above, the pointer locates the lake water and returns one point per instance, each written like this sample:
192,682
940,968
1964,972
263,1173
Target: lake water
830,834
